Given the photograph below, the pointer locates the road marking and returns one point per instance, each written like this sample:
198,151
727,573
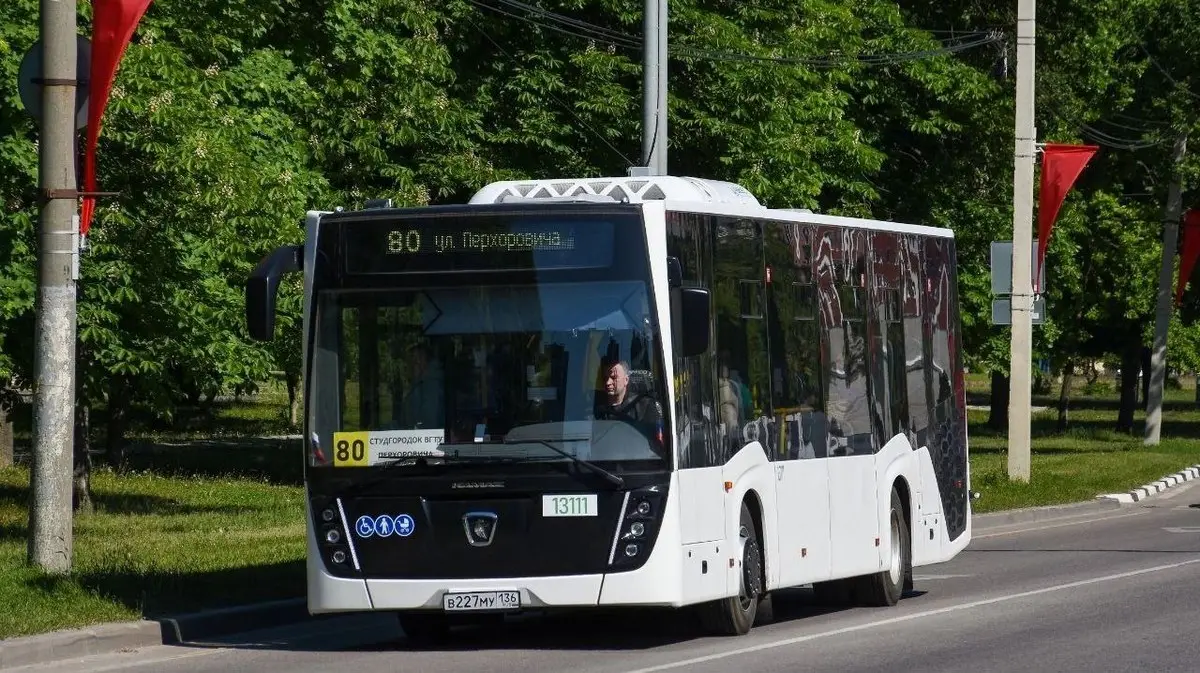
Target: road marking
907,618
1182,529
1073,522
925,578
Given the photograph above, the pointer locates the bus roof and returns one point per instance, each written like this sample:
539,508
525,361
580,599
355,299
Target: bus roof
676,193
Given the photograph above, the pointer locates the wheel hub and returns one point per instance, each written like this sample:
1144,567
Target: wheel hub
894,567
751,584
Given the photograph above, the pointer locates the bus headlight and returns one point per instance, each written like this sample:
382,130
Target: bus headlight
638,527
332,538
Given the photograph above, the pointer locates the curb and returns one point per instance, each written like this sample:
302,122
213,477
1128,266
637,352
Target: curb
127,636
983,522
1154,488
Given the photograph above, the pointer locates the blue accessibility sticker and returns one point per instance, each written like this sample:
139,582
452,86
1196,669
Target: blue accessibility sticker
365,526
404,525
383,525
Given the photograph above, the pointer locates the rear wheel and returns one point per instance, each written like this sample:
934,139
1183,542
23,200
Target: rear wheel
884,589
734,616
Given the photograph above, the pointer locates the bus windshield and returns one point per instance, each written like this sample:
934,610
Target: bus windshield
498,371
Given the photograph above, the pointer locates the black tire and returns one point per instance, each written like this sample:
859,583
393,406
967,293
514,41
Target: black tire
884,589
424,628
735,616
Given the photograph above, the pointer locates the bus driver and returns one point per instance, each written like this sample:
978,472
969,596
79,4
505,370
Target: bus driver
619,404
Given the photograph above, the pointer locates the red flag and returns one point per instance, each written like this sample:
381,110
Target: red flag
1191,251
1061,166
113,23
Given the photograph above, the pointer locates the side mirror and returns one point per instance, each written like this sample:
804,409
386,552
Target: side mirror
692,325
263,285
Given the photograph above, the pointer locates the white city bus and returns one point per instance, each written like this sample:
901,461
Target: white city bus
645,391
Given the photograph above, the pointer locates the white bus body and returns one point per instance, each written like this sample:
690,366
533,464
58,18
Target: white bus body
818,436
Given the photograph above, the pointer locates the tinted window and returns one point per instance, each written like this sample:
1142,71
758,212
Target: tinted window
795,338
743,383
844,309
689,238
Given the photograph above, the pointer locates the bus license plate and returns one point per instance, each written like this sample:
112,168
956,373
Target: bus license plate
481,600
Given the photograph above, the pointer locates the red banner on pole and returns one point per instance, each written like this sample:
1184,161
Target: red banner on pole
113,23
1190,253
1061,166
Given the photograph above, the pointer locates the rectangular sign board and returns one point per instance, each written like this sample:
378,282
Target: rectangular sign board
1002,311
1002,267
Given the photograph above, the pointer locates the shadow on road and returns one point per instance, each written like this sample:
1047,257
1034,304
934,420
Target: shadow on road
629,629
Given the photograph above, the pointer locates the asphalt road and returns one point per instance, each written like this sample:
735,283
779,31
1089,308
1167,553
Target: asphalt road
1107,591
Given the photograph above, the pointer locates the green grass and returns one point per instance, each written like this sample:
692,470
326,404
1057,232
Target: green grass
155,546
210,514
1089,459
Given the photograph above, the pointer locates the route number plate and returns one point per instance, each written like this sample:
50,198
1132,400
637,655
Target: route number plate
481,600
569,505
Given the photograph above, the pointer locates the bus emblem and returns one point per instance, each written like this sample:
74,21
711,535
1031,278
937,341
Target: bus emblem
480,528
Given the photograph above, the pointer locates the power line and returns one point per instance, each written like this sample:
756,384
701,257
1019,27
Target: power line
582,29
556,99
1178,85
1101,137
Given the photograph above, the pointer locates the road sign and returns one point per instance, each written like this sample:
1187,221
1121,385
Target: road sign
31,91
1002,311
1002,268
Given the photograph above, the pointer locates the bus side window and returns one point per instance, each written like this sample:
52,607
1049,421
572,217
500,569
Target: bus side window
795,342
743,382
689,239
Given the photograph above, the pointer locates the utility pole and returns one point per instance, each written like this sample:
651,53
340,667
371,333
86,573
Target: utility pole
50,532
654,90
1166,274
660,141
1021,356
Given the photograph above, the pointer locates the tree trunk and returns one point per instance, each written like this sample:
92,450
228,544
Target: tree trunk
1129,378
1064,395
293,389
998,416
83,460
6,435
118,411
1145,352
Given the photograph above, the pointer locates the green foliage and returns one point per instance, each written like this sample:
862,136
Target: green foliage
229,121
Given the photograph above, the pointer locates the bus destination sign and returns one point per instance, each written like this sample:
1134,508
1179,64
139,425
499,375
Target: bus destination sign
475,244
413,241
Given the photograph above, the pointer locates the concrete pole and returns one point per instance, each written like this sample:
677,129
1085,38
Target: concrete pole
660,140
650,86
50,533
1021,356
1166,274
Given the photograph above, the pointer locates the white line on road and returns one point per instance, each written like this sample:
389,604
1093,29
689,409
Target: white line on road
1073,522
906,618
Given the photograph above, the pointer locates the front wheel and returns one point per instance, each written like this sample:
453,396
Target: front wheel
734,616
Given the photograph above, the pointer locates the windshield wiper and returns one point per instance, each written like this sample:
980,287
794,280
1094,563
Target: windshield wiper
612,478
381,469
